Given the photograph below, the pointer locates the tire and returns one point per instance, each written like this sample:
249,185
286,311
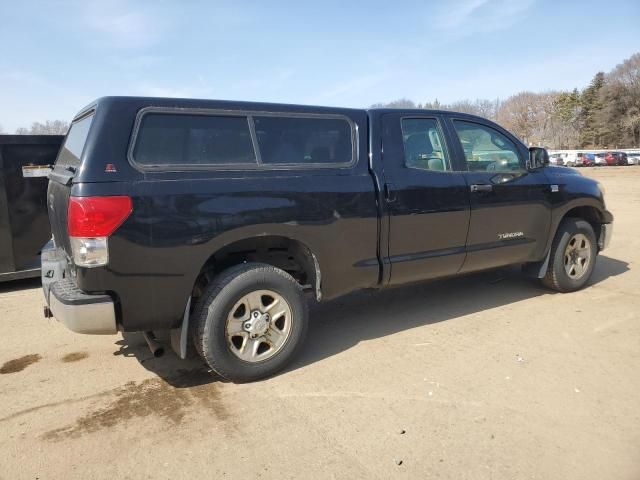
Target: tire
228,306
563,275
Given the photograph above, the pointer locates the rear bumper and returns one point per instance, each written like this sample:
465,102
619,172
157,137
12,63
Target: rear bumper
78,311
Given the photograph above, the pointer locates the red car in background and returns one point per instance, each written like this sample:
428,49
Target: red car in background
616,158
588,159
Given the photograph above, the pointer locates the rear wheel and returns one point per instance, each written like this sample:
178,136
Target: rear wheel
250,322
573,256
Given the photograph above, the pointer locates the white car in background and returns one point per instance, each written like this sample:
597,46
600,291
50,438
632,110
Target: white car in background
557,159
600,161
633,158
572,159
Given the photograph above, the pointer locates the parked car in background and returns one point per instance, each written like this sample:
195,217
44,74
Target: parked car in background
588,160
556,159
616,158
572,159
600,160
633,158
623,158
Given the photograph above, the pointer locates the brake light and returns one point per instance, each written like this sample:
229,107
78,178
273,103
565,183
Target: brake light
97,216
90,222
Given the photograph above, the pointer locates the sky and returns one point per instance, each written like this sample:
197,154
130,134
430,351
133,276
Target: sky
58,56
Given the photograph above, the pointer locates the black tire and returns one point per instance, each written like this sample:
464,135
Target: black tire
209,320
556,277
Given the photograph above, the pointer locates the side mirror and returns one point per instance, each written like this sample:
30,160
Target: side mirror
538,157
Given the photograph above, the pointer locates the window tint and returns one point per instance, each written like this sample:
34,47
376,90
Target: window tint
176,139
486,148
74,143
299,140
423,145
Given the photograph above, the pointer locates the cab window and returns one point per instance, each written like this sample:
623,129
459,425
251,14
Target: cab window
423,145
486,149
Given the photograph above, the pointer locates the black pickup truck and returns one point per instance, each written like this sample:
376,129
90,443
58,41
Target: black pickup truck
212,219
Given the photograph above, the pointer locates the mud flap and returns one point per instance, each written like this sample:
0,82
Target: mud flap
180,335
537,269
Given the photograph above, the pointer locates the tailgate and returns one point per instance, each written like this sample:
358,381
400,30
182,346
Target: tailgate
57,204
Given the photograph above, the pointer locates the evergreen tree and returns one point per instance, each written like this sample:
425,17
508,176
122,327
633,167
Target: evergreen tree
592,133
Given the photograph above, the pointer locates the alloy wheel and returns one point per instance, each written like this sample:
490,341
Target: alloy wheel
258,325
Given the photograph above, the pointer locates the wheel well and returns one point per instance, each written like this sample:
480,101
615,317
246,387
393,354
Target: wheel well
289,255
589,214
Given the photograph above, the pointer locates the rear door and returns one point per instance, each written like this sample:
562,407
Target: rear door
427,199
510,206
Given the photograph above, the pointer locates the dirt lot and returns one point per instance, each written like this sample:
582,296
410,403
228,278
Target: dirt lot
488,376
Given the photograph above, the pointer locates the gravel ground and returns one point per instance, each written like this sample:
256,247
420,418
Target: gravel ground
486,376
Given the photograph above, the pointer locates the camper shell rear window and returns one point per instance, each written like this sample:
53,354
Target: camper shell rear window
71,152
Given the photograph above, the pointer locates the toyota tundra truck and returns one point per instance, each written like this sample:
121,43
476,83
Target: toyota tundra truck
217,220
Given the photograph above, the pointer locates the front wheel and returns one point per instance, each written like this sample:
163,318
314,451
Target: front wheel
573,256
250,322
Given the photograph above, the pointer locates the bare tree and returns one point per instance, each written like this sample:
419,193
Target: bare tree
518,114
400,103
619,97
544,128
488,108
49,127
483,108
435,105
464,106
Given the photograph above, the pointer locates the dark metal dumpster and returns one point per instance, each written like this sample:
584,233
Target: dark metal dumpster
24,224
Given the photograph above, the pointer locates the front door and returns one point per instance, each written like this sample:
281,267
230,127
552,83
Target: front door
427,199
510,206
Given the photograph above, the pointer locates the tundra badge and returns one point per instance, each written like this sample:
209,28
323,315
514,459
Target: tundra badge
506,236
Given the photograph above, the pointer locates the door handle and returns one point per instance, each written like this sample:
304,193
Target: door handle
389,194
477,188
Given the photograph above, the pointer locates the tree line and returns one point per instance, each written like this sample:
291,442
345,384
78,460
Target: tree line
605,114
49,127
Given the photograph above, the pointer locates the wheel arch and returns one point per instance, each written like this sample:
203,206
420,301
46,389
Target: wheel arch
281,251
587,209
590,212
284,252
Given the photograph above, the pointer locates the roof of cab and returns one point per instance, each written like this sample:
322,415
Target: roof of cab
421,111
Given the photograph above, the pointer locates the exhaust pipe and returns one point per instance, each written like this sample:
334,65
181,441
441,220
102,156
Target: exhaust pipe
156,349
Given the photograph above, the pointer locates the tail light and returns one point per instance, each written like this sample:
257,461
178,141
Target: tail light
90,222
